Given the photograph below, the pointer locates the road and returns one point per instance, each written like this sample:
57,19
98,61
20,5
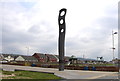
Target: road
66,74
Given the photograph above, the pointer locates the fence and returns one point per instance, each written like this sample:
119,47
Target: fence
73,67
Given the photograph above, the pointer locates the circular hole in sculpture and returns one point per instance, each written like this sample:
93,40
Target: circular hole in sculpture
62,13
62,30
61,21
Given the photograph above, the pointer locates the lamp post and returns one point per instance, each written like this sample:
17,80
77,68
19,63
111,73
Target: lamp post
113,43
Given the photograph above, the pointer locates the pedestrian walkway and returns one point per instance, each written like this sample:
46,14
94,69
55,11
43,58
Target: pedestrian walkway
67,74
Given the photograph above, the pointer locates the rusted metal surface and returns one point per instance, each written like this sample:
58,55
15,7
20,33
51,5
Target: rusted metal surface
62,29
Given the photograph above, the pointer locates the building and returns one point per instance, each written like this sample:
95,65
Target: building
17,58
51,58
1,57
116,61
66,58
9,57
40,57
82,60
22,58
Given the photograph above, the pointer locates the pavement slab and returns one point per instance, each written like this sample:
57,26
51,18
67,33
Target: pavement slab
67,74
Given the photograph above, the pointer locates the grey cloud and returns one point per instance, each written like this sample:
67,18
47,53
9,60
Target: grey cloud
14,40
112,10
40,27
108,22
97,41
40,37
106,25
16,36
12,48
49,47
35,29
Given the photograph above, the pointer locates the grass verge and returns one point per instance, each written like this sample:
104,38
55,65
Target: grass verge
27,75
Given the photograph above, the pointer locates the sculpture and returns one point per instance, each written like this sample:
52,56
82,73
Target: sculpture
62,29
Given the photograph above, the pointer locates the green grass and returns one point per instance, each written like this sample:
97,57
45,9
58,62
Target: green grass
7,72
29,75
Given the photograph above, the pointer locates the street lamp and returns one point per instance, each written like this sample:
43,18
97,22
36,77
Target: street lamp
113,42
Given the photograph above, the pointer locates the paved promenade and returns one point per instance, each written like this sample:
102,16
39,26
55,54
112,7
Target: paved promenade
67,74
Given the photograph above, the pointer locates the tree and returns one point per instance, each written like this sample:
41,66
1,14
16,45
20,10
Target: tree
72,56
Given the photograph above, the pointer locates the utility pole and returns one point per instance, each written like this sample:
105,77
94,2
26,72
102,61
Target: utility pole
113,43
83,56
27,51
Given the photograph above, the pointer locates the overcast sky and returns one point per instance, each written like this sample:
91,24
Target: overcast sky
34,24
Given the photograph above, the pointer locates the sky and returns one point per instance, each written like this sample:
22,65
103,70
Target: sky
33,24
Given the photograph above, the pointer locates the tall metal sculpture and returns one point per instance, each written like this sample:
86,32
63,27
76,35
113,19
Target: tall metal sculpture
62,29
